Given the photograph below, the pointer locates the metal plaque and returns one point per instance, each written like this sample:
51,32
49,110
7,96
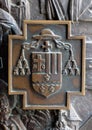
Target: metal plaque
46,64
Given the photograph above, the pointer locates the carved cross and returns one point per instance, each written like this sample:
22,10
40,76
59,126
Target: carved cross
39,62
47,46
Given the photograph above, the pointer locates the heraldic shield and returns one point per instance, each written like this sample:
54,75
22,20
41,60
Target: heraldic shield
47,72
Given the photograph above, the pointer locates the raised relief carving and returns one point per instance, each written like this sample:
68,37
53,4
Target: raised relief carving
8,20
22,67
68,120
50,120
38,121
8,26
75,10
5,5
20,9
53,9
80,10
7,121
14,117
45,63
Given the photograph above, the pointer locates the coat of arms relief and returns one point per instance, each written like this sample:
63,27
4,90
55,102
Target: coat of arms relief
46,65
46,62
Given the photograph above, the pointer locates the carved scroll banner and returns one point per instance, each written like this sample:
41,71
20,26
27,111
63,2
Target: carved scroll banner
46,65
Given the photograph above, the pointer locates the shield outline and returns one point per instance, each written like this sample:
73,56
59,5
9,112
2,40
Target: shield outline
49,87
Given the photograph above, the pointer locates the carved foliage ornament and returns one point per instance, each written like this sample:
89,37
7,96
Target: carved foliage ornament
45,64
